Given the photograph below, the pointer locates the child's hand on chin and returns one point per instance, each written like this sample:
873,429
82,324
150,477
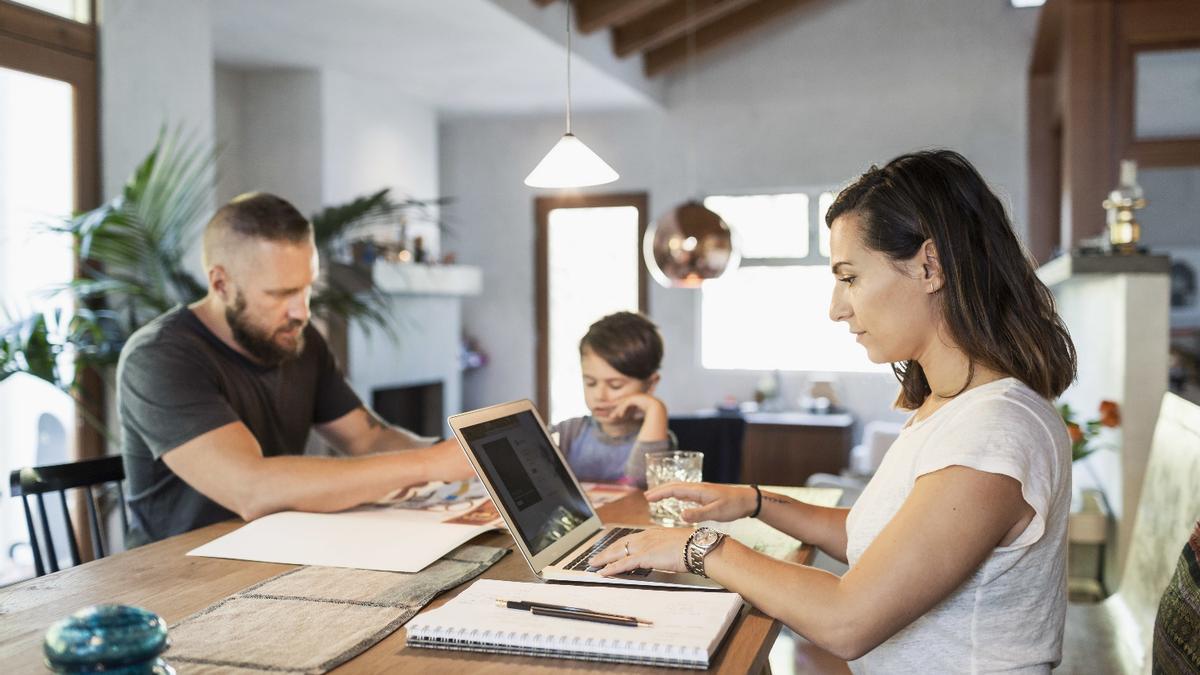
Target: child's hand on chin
636,407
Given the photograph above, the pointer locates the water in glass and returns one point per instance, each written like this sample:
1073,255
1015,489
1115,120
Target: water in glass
670,467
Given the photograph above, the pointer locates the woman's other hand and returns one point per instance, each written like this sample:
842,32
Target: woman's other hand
717,502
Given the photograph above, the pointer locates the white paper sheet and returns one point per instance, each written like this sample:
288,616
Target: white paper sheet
387,538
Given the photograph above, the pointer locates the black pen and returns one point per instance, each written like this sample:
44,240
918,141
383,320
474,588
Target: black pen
577,613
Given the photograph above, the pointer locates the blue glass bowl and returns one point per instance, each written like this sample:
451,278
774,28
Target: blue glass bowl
108,639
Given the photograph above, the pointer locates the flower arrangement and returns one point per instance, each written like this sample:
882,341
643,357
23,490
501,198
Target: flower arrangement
1083,436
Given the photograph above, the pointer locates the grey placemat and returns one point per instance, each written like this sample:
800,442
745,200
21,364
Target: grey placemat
313,619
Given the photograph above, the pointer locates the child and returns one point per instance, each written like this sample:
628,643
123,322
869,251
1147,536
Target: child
620,356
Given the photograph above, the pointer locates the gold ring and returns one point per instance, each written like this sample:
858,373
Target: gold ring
626,549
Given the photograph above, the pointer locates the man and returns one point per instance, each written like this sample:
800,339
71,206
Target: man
217,399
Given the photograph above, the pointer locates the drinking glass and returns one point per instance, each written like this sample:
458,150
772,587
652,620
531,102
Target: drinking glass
670,467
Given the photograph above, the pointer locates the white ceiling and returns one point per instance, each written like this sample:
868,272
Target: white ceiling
459,56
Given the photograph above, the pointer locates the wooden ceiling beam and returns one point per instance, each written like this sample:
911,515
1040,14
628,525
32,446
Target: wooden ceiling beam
675,53
594,15
669,22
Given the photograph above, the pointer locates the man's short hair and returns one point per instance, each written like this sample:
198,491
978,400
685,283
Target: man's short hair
257,215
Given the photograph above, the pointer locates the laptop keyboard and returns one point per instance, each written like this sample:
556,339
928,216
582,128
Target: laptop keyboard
581,561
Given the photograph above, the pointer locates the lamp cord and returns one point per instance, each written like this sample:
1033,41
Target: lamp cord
691,78
568,66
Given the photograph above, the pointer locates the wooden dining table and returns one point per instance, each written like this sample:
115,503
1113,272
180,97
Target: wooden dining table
161,577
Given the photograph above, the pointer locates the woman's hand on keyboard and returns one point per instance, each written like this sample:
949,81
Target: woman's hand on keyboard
657,548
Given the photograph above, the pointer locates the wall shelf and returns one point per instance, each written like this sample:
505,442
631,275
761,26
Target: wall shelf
419,279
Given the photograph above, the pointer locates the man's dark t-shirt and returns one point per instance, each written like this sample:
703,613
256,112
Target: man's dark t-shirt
178,381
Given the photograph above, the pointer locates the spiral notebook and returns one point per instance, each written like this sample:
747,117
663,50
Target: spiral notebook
687,629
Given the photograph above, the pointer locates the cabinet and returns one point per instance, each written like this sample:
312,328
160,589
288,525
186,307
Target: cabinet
786,448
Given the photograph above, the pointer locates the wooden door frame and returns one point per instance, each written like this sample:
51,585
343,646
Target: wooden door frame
542,208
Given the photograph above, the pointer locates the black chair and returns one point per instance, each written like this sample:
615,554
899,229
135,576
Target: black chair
718,436
36,481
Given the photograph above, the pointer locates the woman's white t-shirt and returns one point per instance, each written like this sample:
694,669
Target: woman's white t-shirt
1008,616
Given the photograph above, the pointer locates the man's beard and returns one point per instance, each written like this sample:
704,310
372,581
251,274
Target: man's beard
260,344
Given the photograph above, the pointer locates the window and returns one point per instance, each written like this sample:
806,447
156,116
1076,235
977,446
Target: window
773,311
767,226
582,240
48,169
75,10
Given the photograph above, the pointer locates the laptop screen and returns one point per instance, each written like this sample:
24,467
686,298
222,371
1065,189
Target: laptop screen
531,480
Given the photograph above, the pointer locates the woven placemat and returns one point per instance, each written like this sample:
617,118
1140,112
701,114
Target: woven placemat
312,619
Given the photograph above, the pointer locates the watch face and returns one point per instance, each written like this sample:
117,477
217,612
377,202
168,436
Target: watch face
706,537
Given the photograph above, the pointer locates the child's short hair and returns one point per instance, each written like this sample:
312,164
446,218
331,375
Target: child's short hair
629,342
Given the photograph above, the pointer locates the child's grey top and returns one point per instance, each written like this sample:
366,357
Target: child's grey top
596,456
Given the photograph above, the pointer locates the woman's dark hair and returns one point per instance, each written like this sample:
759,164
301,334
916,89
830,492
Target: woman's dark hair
629,342
995,307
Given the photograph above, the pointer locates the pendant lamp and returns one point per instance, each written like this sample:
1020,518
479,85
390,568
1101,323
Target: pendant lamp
570,163
690,244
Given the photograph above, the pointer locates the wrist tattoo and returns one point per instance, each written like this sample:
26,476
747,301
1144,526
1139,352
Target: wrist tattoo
768,497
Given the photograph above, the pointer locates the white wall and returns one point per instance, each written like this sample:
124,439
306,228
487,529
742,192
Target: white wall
321,137
156,69
229,92
373,137
810,101
280,143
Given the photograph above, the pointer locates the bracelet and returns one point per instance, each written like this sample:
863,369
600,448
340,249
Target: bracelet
757,501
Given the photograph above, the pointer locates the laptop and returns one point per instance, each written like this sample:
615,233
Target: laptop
540,499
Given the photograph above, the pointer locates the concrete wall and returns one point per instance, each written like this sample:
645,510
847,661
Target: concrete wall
280,143
811,101
321,137
372,138
156,69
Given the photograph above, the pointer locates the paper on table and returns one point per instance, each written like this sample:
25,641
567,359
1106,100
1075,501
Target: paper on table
372,538
766,539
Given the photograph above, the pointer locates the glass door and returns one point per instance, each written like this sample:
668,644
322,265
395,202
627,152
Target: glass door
589,265
37,419
48,170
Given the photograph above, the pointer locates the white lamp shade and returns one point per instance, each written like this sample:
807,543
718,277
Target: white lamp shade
569,164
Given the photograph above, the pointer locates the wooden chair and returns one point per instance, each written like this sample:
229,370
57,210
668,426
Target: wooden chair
36,481
1115,636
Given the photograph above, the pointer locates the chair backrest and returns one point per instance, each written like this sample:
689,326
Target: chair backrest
877,437
719,437
1170,506
36,481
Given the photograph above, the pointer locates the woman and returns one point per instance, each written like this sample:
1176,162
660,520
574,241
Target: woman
957,546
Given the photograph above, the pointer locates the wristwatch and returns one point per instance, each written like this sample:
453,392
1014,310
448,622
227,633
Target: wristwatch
701,543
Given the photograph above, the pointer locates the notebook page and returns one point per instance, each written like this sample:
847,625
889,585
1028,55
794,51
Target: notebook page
687,624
